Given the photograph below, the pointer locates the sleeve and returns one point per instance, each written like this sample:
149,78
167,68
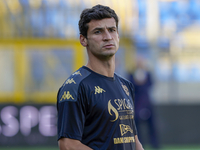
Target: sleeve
134,128
133,97
71,112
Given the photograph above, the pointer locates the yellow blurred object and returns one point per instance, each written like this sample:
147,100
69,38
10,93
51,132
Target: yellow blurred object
3,9
35,4
14,6
22,67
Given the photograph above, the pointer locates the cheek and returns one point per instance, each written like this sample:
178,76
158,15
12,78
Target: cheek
94,43
117,42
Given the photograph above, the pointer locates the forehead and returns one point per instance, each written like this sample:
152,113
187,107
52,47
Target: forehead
103,23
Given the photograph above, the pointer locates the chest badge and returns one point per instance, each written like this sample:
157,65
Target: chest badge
125,89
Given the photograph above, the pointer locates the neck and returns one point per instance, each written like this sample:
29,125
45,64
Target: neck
106,68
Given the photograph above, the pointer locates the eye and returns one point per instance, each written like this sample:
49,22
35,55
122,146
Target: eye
97,32
112,30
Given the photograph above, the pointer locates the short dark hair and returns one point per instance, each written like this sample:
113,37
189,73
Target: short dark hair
97,12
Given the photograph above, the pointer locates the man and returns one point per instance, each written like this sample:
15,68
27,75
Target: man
95,105
142,80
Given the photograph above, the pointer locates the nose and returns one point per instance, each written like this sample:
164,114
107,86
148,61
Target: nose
107,36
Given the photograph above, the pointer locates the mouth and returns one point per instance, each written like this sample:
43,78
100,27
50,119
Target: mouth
108,46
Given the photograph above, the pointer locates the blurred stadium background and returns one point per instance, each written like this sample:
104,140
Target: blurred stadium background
39,48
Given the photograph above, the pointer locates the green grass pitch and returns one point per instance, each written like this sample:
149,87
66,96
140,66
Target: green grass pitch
192,147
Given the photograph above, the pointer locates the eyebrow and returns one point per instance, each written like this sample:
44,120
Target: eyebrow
99,28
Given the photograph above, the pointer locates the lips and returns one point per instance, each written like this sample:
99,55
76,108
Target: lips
108,46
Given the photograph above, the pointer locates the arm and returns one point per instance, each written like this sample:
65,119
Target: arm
138,144
71,144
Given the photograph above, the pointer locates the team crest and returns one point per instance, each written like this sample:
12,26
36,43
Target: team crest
125,89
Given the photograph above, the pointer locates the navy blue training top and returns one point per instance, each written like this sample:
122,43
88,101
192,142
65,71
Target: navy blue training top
97,110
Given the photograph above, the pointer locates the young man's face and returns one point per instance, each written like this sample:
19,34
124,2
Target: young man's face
102,38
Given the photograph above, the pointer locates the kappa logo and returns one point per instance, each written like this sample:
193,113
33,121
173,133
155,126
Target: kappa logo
99,90
77,73
70,81
125,89
66,96
125,128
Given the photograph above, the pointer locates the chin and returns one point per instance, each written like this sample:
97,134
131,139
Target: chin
108,55
109,52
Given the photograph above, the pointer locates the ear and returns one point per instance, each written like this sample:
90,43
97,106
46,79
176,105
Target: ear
83,40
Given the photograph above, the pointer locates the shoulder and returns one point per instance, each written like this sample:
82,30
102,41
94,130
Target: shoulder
126,84
123,80
69,90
